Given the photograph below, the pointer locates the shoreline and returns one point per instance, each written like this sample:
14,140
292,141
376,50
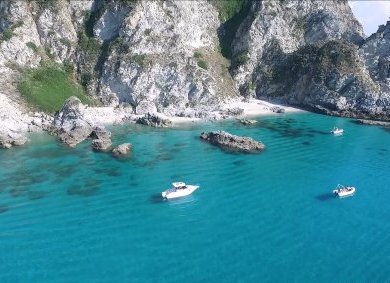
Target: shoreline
16,131
252,108
107,116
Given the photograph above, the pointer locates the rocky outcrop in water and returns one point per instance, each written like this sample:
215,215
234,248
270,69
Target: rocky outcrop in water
373,122
231,142
72,126
247,122
101,139
154,120
122,150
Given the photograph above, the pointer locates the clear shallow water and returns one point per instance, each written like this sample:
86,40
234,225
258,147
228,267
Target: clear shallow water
72,215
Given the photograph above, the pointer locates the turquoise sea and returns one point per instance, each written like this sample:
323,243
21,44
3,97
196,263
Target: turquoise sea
73,215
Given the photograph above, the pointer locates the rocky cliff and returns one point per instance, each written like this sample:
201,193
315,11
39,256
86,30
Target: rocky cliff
153,55
165,56
312,54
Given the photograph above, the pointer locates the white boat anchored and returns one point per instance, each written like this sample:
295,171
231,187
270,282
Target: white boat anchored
336,131
179,189
344,191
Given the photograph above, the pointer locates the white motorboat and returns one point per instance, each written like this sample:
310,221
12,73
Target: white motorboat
344,191
179,189
337,131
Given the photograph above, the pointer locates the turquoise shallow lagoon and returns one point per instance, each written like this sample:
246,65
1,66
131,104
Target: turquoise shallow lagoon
73,215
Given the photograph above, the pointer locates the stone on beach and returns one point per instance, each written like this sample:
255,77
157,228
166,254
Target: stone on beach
154,120
235,111
277,109
231,142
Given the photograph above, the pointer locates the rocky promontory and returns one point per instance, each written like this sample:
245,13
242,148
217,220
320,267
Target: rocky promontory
101,139
373,123
231,142
72,126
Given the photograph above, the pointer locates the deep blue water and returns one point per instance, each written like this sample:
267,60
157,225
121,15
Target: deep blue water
73,215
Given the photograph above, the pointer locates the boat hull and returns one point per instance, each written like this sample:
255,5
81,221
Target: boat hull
337,132
171,194
344,194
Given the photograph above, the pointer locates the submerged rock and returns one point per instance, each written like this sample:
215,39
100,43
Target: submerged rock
154,120
231,142
247,121
122,150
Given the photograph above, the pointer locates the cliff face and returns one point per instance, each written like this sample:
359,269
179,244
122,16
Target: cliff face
165,55
155,55
375,53
312,54
293,24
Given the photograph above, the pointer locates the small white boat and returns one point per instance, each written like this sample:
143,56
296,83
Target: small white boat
337,131
344,191
179,189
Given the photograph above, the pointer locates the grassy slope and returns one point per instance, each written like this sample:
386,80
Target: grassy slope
48,86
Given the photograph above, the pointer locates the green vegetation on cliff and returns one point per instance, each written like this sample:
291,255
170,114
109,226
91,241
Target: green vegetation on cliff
316,61
8,33
48,86
231,13
227,9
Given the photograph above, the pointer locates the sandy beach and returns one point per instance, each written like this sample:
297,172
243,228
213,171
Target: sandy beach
257,107
252,108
